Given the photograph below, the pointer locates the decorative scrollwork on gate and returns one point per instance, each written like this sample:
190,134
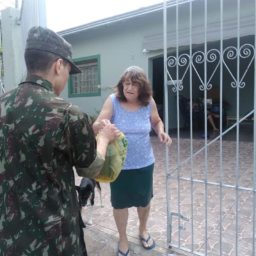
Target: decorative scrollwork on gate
205,66
181,61
245,53
212,57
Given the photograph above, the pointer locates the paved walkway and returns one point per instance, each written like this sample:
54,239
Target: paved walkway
101,236
101,242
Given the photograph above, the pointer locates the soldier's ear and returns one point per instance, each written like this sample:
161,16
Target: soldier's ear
58,65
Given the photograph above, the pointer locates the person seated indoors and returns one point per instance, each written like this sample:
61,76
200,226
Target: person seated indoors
199,110
210,117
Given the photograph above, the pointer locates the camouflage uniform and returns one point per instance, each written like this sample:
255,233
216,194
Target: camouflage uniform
41,138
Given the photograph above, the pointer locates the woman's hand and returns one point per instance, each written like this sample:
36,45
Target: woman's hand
165,138
101,124
107,134
108,131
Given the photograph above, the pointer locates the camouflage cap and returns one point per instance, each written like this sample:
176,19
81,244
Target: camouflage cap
44,39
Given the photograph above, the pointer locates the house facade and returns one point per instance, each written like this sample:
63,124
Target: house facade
110,46
104,48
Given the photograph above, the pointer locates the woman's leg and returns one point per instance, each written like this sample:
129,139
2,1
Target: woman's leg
121,218
210,118
143,214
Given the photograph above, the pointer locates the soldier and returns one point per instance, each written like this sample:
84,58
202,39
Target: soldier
42,137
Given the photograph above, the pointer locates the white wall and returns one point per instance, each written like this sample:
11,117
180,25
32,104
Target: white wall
119,47
15,25
12,49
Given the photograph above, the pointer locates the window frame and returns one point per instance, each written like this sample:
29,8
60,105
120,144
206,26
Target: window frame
80,61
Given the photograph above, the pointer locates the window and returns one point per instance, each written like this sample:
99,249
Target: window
86,83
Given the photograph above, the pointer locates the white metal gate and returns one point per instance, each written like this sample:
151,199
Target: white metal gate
209,58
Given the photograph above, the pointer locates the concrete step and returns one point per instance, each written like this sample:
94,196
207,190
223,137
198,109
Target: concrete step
100,242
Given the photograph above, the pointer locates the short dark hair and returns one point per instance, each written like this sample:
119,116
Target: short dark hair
39,61
138,76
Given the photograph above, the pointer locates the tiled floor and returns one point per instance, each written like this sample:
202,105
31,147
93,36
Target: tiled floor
225,205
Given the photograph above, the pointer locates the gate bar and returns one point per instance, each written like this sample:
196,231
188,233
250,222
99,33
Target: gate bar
205,130
254,148
191,131
166,116
224,185
178,113
237,167
221,126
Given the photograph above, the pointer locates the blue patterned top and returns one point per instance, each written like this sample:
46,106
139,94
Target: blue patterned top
136,126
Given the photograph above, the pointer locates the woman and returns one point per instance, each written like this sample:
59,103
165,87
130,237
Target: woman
133,110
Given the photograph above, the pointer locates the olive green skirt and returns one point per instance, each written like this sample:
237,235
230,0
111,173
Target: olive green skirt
132,188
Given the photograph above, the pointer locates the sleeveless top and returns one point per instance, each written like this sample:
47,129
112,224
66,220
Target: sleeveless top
136,126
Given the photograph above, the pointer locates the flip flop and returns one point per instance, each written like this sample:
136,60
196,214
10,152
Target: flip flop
143,241
120,253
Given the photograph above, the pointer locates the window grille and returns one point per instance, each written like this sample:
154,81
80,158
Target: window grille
86,83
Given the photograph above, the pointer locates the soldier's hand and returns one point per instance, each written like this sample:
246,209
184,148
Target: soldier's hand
109,131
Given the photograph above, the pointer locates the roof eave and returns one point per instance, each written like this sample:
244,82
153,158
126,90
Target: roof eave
111,20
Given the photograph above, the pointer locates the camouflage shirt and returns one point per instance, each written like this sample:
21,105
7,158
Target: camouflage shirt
41,138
